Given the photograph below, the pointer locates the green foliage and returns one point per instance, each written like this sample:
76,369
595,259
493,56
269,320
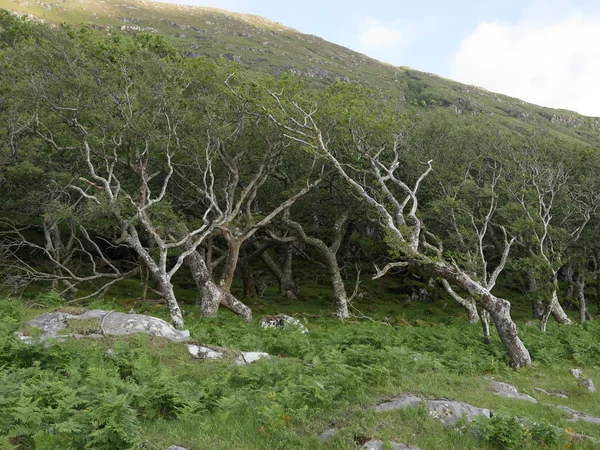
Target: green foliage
13,29
110,393
49,299
511,433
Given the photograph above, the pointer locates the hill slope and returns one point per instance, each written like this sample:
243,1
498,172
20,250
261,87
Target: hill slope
270,47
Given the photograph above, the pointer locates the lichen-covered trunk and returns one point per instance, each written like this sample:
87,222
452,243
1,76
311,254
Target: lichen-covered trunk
467,303
580,292
568,276
339,289
498,308
582,305
553,308
159,275
233,256
212,295
166,288
556,310
485,325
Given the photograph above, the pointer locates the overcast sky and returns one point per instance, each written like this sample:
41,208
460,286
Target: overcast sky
543,51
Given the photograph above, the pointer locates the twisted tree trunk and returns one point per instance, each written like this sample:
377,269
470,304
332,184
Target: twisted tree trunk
329,254
159,275
467,303
553,308
498,308
212,295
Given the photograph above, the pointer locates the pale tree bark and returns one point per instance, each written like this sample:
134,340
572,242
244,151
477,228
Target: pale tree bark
568,277
398,215
499,310
485,325
553,309
61,252
579,289
211,294
467,303
141,201
548,181
240,198
329,255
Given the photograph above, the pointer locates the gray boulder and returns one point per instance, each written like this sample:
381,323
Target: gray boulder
509,391
282,321
243,358
250,357
404,401
447,411
200,352
589,384
104,323
450,412
576,373
578,415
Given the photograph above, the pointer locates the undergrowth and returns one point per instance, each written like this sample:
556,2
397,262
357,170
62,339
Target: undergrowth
144,392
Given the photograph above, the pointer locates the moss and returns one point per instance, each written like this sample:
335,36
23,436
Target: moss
83,326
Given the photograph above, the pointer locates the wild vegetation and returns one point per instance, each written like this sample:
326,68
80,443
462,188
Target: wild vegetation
134,178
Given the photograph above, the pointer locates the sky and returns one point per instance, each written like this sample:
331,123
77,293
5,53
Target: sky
545,52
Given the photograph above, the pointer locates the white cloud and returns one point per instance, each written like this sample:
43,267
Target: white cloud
552,64
375,35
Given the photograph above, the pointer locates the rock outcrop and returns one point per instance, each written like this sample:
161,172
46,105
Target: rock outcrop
99,323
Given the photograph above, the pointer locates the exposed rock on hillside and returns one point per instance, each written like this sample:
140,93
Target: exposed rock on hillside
99,323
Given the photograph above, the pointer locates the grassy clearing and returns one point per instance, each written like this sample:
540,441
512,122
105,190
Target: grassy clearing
148,391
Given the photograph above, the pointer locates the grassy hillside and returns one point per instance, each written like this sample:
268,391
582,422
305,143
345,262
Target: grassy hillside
266,46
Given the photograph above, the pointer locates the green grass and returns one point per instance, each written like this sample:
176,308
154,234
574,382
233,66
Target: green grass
329,376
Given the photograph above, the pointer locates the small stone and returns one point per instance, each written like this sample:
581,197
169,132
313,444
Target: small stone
283,321
250,357
401,402
377,444
203,352
176,447
589,384
576,373
327,434
509,391
555,394
578,415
